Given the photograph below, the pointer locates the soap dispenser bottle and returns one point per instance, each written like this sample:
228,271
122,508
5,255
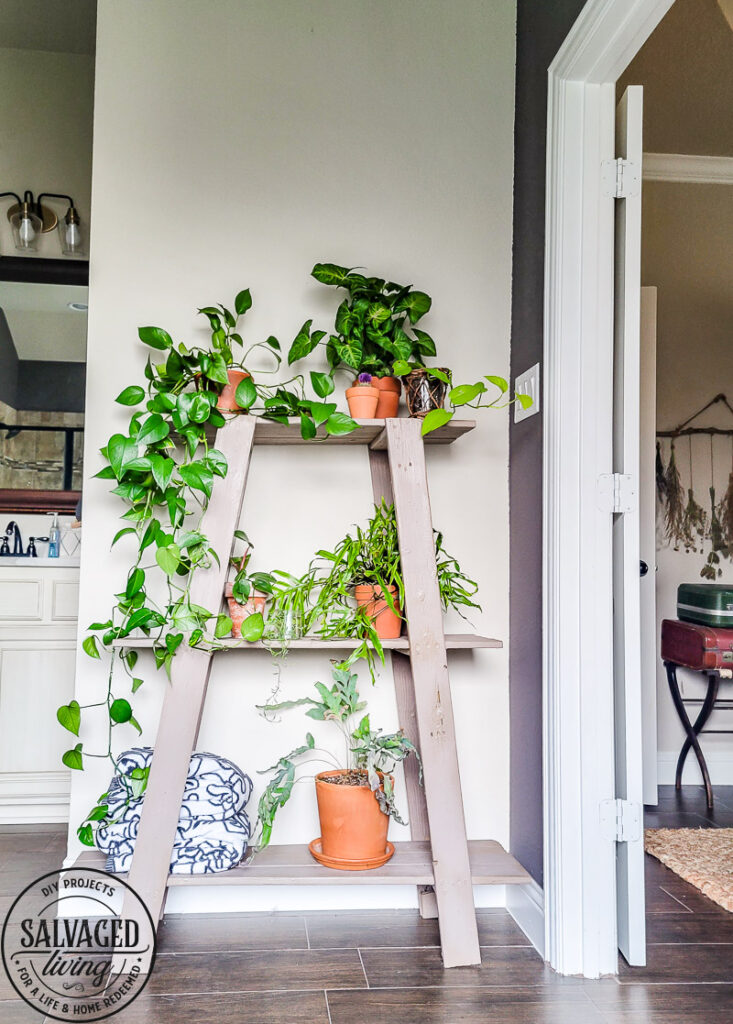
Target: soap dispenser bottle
54,537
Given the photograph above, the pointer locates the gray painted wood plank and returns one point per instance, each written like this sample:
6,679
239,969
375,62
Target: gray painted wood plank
452,871
184,697
370,432
443,435
453,642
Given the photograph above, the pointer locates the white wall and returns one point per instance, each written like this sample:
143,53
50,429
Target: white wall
46,129
694,363
235,145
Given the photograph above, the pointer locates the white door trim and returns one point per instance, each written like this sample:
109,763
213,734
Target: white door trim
688,167
580,900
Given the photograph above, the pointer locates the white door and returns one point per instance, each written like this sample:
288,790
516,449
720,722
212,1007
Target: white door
626,556
648,540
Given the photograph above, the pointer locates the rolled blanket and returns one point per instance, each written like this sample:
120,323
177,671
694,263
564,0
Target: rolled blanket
215,788
202,845
213,827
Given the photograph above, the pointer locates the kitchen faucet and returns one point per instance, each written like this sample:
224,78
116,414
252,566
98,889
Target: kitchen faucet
13,530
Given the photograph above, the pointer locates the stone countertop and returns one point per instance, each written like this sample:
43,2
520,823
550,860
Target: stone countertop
13,562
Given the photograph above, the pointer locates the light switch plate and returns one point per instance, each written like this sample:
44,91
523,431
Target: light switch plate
527,383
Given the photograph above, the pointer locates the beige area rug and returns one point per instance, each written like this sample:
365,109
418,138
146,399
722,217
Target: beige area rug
702,856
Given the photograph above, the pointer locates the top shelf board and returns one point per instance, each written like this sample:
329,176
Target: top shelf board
371,433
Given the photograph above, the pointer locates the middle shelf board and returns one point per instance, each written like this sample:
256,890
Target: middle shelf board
412,864
453,642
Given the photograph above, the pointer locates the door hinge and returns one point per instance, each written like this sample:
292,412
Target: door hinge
621,820
620,179
616,492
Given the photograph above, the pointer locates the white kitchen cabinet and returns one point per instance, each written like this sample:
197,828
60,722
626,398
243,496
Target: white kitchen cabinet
38,619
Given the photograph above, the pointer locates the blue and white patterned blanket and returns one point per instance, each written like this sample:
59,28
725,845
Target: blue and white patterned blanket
213,827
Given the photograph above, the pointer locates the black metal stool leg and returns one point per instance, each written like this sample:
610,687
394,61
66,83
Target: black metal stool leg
692,730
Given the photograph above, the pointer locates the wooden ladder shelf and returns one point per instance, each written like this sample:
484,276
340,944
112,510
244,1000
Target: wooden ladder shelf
439,859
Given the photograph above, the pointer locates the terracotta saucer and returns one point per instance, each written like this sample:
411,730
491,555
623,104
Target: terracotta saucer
349,865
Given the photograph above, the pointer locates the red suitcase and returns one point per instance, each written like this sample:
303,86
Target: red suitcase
695,646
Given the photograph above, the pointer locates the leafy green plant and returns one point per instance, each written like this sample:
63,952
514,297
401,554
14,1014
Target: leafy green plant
245,583
460,395
367,750
375,324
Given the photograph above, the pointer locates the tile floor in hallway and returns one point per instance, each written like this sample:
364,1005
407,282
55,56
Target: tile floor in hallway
371,967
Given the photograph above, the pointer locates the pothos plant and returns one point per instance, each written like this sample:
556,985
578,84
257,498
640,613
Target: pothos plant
164,468
375,324
367,750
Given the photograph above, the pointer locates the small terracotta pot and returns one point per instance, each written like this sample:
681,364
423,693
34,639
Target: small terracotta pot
389,389
424,393
362,399
239,612
353,826
387,624
227,402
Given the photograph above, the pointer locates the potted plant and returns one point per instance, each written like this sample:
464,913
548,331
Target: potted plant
355,799
247,594
363,397
375,324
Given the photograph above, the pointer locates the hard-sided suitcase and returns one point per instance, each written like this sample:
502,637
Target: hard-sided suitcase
710,604
696,646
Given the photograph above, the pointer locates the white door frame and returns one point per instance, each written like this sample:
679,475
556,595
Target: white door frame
580,877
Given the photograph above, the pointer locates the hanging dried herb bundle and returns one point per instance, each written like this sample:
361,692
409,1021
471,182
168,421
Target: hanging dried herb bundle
726,517
674,513
694,523
659,473
711,570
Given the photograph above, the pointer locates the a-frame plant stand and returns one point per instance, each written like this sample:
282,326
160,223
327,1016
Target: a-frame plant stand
439,859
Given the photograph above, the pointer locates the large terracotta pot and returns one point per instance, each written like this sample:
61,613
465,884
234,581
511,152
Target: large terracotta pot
353,826
389,396
362,399
239,612
227,402
387,624
424,393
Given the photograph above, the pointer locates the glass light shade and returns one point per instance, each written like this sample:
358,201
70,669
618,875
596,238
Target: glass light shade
72,240
26,229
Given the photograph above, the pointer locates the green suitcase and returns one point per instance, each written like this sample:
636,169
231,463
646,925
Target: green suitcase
710,604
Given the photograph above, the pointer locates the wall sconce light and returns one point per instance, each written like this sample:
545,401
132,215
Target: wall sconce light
29,219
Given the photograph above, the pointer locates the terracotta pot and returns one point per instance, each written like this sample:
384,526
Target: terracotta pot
362,399
353,826
239,612
386,622
424,393
227,402
389,389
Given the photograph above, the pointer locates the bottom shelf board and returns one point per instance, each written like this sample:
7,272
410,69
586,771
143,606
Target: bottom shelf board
412,864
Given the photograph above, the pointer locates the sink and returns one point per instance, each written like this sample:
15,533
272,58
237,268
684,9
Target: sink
12,561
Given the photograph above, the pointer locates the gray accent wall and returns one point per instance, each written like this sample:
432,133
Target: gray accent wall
8,365
38,385
541,28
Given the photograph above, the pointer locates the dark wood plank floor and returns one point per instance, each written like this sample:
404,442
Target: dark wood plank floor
369,967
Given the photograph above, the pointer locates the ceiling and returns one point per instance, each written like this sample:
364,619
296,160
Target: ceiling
41,324
60,26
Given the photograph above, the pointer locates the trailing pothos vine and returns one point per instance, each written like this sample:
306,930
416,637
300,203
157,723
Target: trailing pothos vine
164,468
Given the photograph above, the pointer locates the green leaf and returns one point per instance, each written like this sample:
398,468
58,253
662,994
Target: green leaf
439,375
217,462
307,427
322,383
151,532
99,813
162,469
218,369
200,409
198,476
121,533
350,351
120,710
136,684
524,400
415,304
223,626
89,645
401,368
339,423
168,558
253,627
303,344
246,393
425,344
154,429
73,758
434,419
86,835
329,273
500,383
105,474
320,411
134,721
69,715
134,582
121,451
156,337
131,396
464,393
243,302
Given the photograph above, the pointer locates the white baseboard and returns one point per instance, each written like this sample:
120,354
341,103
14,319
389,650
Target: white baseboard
34,797
720,766
526,904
